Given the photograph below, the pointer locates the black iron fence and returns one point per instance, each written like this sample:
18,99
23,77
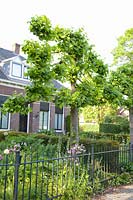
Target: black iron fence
35,177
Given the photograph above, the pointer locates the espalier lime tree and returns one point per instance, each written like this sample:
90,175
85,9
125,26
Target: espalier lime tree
121,77
65,55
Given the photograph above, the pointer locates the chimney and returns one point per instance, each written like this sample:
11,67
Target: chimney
16,48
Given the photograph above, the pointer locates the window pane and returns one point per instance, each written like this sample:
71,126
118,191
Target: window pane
56,122
59,121
45,120
40,120
5,121
17,70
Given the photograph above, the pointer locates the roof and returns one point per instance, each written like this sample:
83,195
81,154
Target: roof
2,75
6,54
57,84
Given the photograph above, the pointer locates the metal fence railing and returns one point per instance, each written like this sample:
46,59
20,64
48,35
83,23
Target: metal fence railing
35,177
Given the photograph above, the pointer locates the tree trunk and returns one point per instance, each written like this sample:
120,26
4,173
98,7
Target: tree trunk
131,131
74,115
75,122
131,124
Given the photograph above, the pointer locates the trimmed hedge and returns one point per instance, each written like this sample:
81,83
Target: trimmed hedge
112,128
103,145
121,138
61,143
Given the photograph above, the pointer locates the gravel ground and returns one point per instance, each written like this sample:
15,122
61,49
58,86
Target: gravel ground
119,193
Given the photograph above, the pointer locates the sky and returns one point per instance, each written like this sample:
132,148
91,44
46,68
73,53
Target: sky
103,20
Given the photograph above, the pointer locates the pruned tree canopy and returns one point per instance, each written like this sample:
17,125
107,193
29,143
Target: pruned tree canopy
65,55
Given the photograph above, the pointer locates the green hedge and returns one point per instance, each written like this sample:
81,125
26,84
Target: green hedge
53,143
112,128
121,138
103,145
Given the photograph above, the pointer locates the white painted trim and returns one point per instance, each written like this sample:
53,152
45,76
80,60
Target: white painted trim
49,117
9,121
63,121
28,120
4,95
22,71
10,68
4,81
12,86
8,59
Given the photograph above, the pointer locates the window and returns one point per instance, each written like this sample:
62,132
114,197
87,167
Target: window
17,70
43,120
3,121
58,118
58,121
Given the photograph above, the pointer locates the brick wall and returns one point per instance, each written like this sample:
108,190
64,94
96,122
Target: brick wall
66,113
7,90
14,123
52,116
34,117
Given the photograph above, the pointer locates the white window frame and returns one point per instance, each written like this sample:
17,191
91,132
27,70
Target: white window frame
23,66
21,72
58,123
1,120
41,123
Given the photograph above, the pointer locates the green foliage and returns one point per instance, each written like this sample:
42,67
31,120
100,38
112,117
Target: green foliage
122,179
110,128
70,178
88,127
114,124
65,55
121,138
51,144
68,124
121,79
16,103
97,113
76,189
126,167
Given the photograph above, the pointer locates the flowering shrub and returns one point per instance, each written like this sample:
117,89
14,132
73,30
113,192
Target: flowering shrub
6,151
76,149
16,148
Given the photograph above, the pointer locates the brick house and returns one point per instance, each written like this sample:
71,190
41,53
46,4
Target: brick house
44,115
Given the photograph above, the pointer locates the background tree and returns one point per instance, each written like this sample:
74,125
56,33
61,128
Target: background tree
65,55
121,79
97,113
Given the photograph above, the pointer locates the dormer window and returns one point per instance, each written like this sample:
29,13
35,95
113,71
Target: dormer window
19,70
16,70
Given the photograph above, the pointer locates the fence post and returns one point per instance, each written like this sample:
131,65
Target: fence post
131,152
16,175
93,163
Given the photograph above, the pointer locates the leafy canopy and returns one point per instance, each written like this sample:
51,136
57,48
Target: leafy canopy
66,55
121,79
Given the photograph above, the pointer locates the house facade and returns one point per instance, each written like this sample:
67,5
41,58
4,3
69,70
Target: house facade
44,115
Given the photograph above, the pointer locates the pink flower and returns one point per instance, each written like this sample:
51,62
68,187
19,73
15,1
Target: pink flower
16,147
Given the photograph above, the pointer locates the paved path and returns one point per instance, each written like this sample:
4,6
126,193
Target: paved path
119,193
